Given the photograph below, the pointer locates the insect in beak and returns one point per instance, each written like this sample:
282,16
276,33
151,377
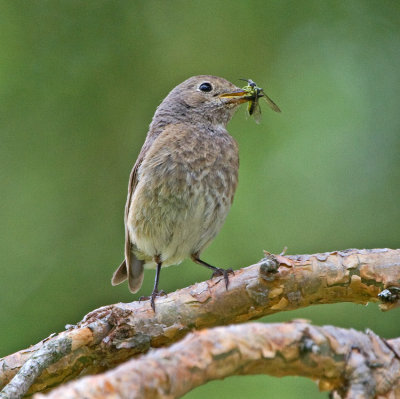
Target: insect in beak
254,94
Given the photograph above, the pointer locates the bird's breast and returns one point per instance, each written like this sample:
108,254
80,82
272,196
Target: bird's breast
186,185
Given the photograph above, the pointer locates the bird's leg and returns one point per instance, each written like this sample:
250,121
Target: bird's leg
155,292
217,271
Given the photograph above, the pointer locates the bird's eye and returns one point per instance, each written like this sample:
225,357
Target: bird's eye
205,87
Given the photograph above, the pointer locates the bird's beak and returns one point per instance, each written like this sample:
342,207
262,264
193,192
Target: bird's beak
238,96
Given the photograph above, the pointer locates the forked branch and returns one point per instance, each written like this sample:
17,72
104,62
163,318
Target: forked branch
353,364
112,334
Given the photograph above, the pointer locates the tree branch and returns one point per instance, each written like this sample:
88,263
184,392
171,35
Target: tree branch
112,334
357,365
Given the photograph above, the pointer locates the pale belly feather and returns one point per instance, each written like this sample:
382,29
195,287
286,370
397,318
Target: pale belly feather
174,226
179,207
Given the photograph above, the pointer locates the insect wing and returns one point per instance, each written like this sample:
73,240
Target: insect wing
271,103
257,111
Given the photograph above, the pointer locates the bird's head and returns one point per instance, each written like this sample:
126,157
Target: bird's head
204,98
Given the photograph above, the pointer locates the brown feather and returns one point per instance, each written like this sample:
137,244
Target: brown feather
183,182
120,275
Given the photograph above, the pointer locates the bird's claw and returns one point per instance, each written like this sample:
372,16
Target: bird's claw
152,298
223,272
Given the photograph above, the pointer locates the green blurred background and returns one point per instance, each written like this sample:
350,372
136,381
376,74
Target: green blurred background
79,84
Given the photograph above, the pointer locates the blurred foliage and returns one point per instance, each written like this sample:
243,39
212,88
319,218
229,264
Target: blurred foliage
79,84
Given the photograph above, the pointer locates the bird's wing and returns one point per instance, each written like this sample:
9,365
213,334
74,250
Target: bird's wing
131,268
133,183
133,178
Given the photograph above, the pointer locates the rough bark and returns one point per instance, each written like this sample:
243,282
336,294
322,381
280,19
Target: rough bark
354,364
112,334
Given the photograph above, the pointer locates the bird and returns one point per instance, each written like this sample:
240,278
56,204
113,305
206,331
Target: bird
183,182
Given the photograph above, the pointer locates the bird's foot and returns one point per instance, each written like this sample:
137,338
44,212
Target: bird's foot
152,298
223,272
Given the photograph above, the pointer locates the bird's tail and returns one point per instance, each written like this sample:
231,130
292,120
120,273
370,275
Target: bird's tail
132,269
